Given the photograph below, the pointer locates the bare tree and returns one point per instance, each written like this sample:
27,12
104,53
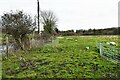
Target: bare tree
49,22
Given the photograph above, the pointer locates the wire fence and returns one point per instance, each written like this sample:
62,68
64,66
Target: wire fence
109,51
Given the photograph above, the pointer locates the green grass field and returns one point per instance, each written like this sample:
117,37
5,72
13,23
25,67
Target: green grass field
66,59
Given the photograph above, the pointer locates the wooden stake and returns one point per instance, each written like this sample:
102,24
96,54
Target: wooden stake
7,44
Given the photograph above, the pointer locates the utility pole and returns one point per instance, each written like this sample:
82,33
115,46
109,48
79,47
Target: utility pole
38,12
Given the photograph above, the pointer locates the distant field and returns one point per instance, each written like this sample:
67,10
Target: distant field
67,57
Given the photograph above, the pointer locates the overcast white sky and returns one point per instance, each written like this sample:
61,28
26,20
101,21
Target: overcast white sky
72,14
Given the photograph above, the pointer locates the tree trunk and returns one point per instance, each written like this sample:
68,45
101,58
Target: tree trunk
19,44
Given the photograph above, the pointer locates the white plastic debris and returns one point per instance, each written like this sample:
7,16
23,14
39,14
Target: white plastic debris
87,48
112,43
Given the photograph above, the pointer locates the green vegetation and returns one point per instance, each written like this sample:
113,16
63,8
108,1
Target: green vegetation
105,31
67,59
49,21
18,25
3,38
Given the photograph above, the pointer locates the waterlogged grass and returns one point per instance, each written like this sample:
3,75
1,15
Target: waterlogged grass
67,59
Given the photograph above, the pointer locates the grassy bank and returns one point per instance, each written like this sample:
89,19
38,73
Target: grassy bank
67,59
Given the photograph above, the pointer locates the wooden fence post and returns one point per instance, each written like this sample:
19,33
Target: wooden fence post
7,44
101,49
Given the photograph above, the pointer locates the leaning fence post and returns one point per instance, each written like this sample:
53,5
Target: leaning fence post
101,47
